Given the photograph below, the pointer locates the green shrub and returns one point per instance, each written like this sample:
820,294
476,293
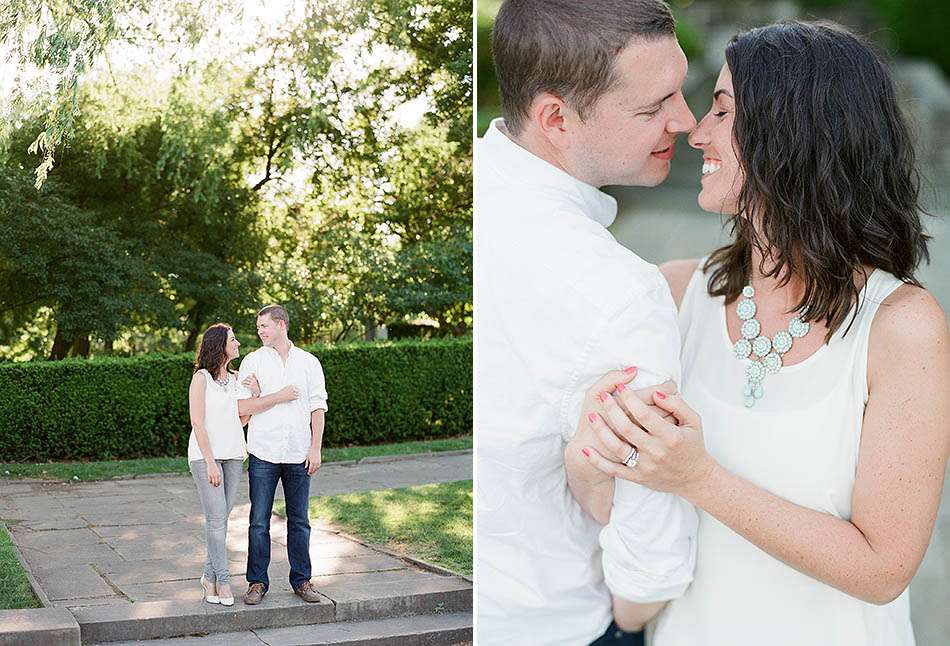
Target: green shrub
113,408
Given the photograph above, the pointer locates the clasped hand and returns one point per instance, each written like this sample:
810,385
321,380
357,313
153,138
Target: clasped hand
667,433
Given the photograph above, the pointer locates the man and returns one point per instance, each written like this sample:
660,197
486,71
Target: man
591,96
284,443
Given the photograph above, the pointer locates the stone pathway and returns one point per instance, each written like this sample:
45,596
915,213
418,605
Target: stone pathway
101,548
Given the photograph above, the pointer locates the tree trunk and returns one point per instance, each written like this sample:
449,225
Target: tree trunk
369,333
60,346
195,330
81,346
109,346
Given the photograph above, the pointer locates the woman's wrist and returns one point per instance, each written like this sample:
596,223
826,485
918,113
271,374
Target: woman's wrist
705,482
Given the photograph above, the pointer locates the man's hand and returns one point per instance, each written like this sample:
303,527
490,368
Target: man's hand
313,461
668,436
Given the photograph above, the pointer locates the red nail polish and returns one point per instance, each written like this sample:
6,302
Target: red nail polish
630,370
592,418
585,452
603,397
660,394
621,387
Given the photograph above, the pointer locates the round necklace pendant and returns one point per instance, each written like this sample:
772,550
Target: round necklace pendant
782,342
762,346
798,328
750,329
772,363
748,291
745,309
755,372
743,349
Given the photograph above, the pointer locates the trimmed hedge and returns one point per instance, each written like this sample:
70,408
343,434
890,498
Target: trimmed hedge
113,408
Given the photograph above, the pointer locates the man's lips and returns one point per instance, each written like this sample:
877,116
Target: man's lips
665,154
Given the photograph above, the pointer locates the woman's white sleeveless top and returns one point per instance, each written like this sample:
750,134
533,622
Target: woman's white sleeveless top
221,421
800,442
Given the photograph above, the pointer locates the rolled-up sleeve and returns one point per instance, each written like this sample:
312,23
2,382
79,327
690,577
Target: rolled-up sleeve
649,544
247,368
317,385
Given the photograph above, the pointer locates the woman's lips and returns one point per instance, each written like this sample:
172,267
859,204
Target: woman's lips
666,154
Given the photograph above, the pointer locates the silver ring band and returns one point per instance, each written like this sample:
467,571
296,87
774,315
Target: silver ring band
632,457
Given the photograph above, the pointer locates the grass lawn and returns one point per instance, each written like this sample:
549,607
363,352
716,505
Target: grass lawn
104,470
432,522
15,589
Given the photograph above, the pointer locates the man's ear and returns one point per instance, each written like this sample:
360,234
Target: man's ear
551,116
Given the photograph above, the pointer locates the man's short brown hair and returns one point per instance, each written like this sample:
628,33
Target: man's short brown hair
277,313
567,48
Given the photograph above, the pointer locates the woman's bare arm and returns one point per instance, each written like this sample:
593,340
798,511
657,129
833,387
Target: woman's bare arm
905,443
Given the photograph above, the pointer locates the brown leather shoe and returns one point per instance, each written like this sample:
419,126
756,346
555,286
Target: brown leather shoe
255,592
308,593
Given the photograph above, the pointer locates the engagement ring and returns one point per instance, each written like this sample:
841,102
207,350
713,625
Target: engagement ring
632,457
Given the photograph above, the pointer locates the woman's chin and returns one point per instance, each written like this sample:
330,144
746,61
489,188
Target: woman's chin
714,205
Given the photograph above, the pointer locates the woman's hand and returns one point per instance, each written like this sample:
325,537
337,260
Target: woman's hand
252,385
288,394
214,473
672,455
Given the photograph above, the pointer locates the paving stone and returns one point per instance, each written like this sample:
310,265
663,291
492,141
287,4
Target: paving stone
57,538
76,582
38,627
43,561
59,523
158,515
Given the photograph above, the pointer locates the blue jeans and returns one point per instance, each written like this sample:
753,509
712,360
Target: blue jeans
263,477
613,635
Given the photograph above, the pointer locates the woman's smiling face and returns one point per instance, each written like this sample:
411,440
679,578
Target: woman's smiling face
722,176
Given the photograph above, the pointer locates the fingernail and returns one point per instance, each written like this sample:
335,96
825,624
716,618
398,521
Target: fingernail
620,388
630,370
603,397
660,394
586,453
592,418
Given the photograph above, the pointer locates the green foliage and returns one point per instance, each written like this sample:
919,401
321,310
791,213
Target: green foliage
116,408
15,592
213,177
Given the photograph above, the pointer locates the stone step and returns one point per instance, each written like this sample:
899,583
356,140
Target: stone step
38,627
419,630
423,594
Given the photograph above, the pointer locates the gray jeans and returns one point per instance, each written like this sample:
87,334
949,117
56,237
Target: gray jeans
217,503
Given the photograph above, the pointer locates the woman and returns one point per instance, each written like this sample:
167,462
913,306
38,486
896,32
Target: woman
819,365
216,447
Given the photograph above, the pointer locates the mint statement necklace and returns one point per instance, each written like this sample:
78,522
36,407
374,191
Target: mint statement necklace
764,354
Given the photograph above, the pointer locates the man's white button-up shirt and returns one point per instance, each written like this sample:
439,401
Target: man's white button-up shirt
281,434
558,302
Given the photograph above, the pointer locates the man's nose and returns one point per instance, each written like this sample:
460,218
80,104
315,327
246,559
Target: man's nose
683,119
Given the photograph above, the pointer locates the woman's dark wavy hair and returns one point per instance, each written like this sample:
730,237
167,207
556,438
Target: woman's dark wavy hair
830,171
212,350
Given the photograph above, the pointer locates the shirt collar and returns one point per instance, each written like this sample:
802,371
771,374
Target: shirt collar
290,350
514,161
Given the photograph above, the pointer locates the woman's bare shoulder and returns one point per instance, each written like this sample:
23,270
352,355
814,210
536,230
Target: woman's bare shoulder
909,330
910,314
677,274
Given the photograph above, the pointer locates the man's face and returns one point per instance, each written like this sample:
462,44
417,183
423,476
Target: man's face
628,136
269,330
